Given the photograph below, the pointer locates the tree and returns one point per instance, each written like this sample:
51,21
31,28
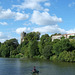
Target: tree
73,44
47,51
55,41
29,40
33,36
0,44
56,34
67,56
71,37
62,37
33,48
43,40
5,51
12,42
62,45
7,47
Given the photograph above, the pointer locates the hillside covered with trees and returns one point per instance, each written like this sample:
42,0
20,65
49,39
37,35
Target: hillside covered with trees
35,46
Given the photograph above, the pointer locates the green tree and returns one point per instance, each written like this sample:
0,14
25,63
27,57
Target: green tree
43,40
8,46
33,36
12,42
55,41
62,45
0,44
47,51
73,44
5,51
33,48
24,46
67,56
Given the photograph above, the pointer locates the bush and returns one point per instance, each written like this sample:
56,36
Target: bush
42,57
67,56
36,56
19,55
12,56
53,58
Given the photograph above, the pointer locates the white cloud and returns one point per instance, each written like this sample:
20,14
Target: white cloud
20,30
71,4
8,14
3,23
44,18
71,31
50,29
31,4
20,16
47,4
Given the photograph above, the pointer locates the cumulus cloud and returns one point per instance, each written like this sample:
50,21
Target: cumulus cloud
50,29
3,23
20,30
71,31
31,4
20,16
44,18
8,14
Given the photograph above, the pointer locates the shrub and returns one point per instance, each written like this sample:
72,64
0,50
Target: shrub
53,58
19,55
67,56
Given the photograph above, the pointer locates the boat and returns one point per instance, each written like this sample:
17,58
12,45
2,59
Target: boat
34,71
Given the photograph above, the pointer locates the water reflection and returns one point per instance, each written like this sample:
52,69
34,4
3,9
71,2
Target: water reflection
13,66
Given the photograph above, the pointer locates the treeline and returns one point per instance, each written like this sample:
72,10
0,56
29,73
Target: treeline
35,46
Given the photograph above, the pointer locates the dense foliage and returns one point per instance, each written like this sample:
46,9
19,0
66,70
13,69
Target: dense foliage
35,46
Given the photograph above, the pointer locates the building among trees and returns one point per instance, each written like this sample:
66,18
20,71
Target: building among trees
56,36
59,36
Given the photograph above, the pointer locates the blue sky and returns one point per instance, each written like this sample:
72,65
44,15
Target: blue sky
45,16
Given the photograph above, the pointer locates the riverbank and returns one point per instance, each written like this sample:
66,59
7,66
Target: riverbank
63,57
42,47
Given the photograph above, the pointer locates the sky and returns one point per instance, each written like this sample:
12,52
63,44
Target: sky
45,16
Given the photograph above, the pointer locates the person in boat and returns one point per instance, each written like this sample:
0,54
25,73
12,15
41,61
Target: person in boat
34,70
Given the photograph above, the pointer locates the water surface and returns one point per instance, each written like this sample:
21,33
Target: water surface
15,66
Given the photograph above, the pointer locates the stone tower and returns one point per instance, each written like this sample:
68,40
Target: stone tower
22,36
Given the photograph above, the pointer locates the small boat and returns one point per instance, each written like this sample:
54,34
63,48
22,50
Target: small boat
34,71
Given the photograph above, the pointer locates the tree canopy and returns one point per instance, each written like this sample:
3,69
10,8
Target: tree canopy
35,46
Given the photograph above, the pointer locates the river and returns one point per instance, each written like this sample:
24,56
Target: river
16,66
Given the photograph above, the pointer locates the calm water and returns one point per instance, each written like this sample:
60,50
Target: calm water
14,66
